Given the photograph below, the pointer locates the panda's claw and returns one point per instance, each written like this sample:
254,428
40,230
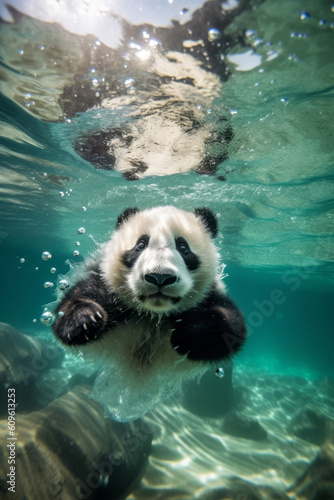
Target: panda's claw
92,318
98,314
85,326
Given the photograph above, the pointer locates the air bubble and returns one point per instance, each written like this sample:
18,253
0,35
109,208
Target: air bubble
77,243
46,318
220,372
213,35
48,284
129,82
53,270
134,46
63,284
61,193
284,100
304,15
46,256
95,82
153,43
22,260
76,253
68,120
81,230
21,52
84,209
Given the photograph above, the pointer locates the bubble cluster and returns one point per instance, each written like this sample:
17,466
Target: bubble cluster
48,284
81,230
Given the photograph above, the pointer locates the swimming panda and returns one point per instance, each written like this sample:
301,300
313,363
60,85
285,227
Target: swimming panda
151,308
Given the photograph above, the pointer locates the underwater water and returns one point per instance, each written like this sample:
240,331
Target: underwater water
272,189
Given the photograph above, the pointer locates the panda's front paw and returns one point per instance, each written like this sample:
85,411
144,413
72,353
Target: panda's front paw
80,322
187,332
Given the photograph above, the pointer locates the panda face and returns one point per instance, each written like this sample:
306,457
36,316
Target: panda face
161,260
160,271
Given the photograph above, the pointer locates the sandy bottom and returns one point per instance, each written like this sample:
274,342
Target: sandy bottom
192,454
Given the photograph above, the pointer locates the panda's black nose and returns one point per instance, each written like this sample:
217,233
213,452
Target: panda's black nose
160,279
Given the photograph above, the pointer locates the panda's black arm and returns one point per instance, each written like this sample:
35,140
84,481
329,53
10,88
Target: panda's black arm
87,311
211,331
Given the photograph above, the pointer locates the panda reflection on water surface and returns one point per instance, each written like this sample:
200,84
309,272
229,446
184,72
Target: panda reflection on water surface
150,306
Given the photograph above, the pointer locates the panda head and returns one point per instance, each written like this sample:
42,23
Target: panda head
161,260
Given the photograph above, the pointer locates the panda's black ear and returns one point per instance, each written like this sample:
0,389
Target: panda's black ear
126,215
209,220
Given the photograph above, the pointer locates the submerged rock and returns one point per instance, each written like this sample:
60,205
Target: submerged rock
317,482
313,426
22,360
69,450
243,427
238,489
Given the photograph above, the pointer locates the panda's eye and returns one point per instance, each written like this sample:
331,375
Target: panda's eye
142,243
182,246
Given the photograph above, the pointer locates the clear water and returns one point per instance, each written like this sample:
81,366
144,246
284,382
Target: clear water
275,207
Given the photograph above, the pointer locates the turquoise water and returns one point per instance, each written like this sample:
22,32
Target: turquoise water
273,194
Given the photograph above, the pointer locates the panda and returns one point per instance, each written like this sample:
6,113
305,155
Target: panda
151,309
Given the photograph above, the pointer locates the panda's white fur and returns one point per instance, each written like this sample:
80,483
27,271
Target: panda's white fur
163,225
163,137
140,364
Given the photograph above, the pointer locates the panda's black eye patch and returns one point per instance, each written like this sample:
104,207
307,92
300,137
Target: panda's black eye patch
142,243
130,256
182,246
190,259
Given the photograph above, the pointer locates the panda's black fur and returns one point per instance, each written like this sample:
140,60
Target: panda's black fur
157,278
